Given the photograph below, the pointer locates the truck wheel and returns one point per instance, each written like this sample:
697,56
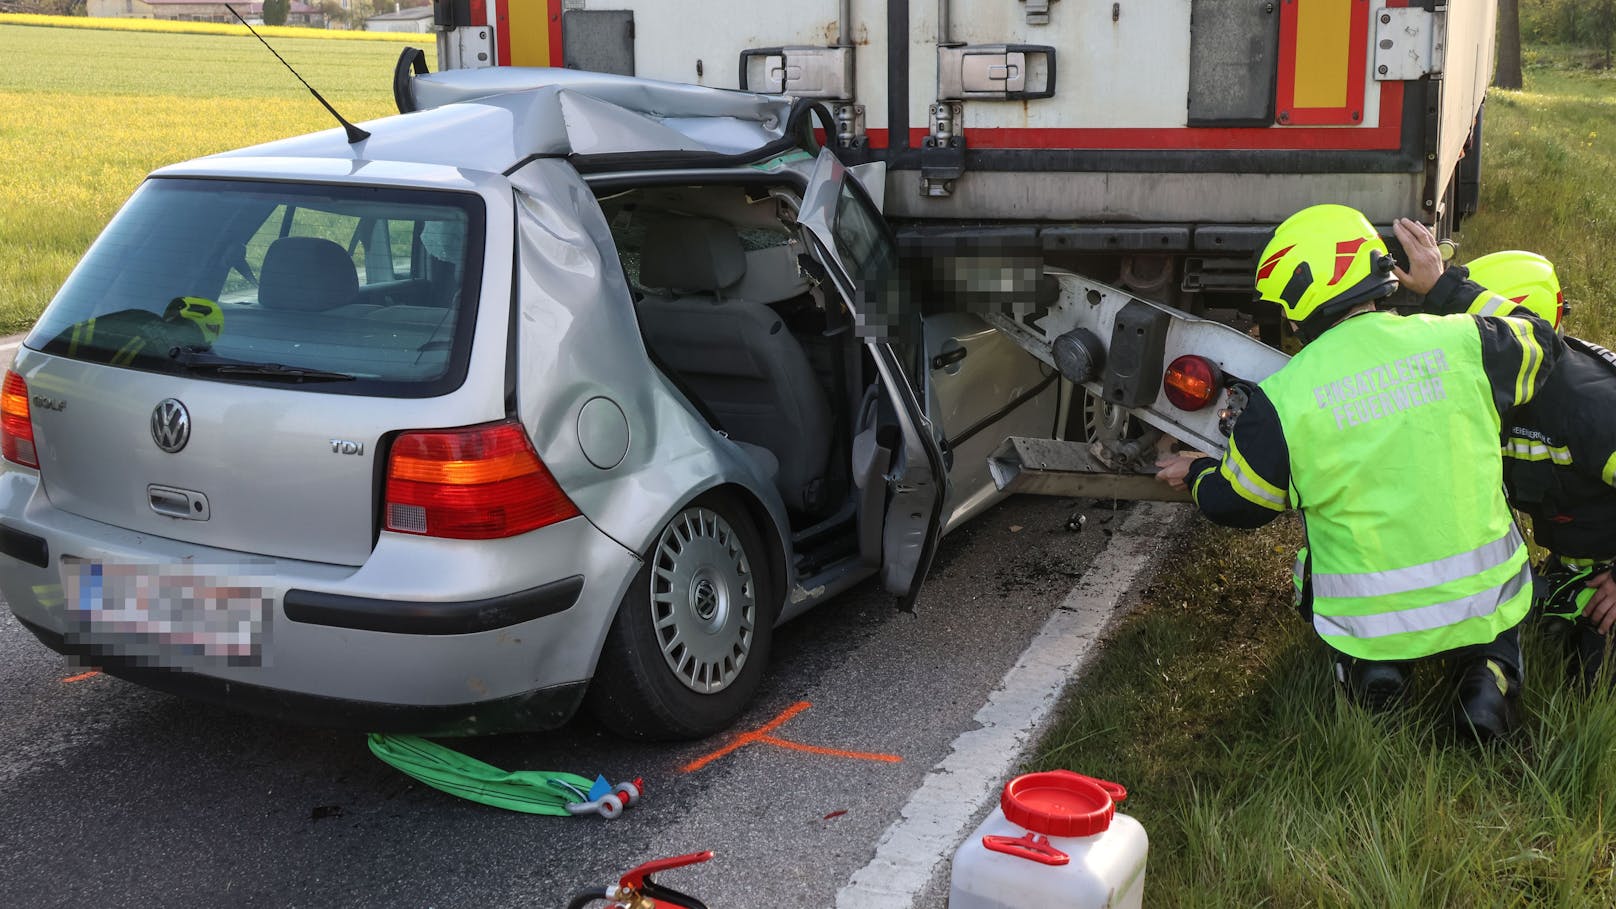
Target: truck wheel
688,646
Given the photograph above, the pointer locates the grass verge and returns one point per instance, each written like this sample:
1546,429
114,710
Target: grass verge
85,115
1214,704
206,28
1548,184
1259,786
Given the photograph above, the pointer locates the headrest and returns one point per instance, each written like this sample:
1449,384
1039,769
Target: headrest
692,254
771,276
307,274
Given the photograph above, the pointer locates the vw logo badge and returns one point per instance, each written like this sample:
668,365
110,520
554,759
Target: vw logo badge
170,425
706,599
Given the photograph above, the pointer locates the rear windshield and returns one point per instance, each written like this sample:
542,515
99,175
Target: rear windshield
346,290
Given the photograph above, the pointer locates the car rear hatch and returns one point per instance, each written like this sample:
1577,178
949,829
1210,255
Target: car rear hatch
228,361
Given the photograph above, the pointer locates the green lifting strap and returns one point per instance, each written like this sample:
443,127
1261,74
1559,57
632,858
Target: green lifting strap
1568,592
530,791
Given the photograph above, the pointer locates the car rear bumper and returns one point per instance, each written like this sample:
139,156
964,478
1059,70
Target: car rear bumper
543,708
427,635
463,617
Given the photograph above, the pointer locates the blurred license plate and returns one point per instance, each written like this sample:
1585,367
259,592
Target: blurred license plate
172,614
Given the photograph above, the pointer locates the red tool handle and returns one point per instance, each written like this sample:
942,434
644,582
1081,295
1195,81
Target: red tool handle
636,878
1032,847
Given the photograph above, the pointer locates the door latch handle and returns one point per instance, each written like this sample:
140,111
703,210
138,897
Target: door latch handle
178,503
948,358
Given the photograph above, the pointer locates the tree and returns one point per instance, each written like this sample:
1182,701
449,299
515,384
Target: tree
360,10
275,11
333,13
347,13
1508,74
54,8
1602,27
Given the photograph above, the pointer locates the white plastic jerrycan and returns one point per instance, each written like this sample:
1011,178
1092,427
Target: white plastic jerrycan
1055,842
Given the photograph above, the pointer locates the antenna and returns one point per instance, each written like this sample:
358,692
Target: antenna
355,134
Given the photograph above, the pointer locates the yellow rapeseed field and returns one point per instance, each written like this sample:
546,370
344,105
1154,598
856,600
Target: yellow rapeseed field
86,114
199,28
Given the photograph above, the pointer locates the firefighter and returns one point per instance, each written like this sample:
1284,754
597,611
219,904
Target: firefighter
1383,432
1559,450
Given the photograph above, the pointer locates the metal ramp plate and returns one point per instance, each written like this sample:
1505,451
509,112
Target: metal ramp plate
1055,468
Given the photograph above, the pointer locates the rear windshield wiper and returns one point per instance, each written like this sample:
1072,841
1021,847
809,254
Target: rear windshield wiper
200,360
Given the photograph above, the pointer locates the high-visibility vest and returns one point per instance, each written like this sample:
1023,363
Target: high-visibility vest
1396,468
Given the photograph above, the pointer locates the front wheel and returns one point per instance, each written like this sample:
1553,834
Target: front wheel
687,648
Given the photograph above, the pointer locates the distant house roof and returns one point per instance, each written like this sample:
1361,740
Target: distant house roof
403,15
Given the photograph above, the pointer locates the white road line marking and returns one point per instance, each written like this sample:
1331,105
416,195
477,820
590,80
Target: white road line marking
934,821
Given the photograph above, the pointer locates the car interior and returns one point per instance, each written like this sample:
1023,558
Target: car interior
763,351
370,288
375,311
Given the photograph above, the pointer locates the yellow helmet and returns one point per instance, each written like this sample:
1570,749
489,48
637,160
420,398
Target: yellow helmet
1322,261
204,313
1521,277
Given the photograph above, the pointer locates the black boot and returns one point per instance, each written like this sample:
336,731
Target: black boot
1375,686
1587,654
1488,702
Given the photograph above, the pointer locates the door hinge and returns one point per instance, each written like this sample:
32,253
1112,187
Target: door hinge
942,157
849,125
471,47
1409,43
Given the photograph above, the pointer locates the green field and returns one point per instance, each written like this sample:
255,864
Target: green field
84,115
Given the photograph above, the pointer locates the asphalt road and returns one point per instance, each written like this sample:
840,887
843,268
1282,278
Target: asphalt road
113,795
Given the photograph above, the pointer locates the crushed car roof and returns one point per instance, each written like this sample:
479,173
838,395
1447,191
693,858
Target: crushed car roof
491,119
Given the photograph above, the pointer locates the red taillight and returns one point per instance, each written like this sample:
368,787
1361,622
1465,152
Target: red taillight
475,483
1559,308
1192,382
16,425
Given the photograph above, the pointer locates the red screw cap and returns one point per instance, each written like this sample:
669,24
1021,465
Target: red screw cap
1061,803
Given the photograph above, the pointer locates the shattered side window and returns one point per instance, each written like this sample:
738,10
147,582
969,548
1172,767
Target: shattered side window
756,238
861,239
628,233
886,310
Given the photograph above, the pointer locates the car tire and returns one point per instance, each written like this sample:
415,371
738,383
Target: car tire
687,648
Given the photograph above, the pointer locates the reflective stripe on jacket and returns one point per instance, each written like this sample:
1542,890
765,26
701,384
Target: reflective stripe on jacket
1393,432
1559,450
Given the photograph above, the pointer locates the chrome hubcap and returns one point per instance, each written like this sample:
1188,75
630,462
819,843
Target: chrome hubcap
703,600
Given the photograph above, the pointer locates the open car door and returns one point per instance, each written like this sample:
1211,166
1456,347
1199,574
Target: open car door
853,243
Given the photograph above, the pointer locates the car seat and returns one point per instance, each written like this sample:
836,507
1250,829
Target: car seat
734,352
306,274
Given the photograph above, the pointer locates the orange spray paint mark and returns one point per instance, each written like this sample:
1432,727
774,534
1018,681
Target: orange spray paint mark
762,734
82,676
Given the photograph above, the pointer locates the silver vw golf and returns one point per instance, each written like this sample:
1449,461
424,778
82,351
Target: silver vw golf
560,390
